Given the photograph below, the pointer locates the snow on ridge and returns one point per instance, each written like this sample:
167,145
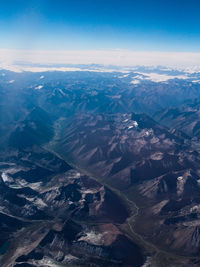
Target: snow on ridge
38,87
123,76
5,177
135,82
11,81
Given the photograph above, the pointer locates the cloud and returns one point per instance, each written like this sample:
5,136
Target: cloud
156,77
106,57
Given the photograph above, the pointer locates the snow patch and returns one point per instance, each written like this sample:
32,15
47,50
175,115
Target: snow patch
39,202
61,91
157,156
180,178
130,127
196,81
35,186
5,177
147,133
135,82
38,87
135,123
123,76
92,238
180,185
11,81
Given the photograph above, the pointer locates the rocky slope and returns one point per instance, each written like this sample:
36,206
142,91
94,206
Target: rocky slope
52,214
155,167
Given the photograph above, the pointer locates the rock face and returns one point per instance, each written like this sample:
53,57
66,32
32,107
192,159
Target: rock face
133,153
72,244
47,208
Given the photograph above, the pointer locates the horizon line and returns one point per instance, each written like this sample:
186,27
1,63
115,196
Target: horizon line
114,57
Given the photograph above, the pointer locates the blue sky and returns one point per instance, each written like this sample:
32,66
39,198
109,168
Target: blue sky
140,25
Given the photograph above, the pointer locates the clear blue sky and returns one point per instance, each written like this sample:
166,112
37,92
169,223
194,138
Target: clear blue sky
159,25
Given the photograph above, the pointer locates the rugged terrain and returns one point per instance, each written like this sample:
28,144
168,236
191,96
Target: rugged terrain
99,168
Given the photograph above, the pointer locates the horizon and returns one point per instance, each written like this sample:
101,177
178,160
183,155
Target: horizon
18,58
133,33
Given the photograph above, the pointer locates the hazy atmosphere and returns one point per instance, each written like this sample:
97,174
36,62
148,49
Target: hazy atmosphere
105,32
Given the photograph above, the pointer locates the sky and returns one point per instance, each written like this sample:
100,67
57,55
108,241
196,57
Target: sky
154,26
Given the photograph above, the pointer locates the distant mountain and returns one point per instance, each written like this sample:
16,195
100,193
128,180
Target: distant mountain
185,118
35,129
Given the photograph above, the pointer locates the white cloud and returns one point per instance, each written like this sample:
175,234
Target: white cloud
8,58
155,77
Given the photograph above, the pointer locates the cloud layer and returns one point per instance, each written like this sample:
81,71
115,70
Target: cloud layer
105,57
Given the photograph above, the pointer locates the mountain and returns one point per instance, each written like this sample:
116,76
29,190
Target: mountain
99,168
154,167
35,129
184,118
